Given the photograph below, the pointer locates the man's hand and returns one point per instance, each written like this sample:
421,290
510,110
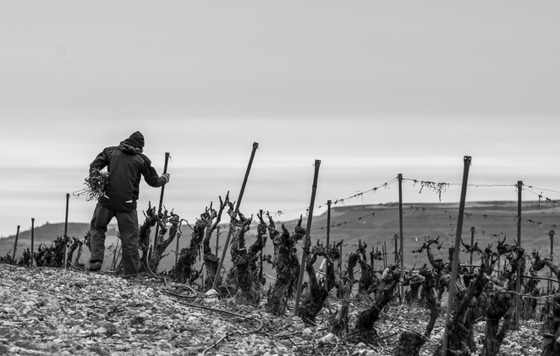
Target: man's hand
166,177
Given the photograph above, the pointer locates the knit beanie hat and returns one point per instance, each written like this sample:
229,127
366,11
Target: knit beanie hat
136,140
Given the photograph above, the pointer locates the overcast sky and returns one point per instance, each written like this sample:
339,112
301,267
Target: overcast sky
370,87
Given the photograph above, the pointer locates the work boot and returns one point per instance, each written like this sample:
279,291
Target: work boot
95,266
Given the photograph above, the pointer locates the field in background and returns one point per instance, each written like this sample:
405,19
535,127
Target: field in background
375,224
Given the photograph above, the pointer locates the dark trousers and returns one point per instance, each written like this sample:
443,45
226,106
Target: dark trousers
128,229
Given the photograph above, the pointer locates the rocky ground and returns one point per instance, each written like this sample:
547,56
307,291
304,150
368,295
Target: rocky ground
47,311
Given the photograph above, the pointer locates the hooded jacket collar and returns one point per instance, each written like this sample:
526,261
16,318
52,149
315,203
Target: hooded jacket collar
126,147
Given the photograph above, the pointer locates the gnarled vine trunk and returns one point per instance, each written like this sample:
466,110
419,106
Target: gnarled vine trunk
245,262
161,243
287,268
339,323
385,293
185,272
314,300
551,344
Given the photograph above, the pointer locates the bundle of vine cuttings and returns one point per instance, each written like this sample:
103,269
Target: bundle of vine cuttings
95,186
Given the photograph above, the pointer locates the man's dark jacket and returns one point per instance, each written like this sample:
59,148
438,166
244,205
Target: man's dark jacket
125,165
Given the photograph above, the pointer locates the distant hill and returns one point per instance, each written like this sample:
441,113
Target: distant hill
376,224
47,233
355,223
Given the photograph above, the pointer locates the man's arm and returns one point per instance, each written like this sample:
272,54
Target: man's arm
100,162
150,175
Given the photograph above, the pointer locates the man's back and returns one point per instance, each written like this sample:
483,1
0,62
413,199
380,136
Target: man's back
125,164
124,170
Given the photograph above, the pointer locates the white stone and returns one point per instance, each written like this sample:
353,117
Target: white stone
330,338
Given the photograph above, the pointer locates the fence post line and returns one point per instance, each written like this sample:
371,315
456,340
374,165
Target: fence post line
66,230
15,245
32,242
237,204
307,241
518,282
471,252
329,202
455,260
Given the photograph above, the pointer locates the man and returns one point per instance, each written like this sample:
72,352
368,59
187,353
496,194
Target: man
125,164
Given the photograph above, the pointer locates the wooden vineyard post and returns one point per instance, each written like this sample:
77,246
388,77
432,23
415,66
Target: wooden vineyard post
160,206
455,260
15,245
33,264
396,248
384,254
237,204
307,241
340,262
329,202
471,252
261,265
551,234
66,231
518,282
401,238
